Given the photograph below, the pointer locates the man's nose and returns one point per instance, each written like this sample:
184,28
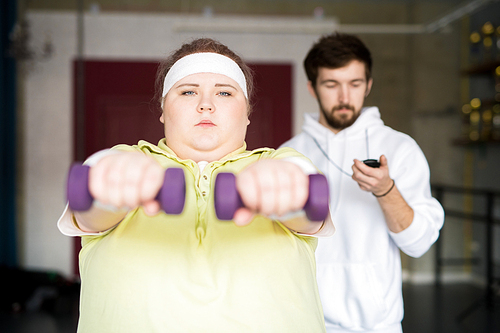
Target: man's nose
344,95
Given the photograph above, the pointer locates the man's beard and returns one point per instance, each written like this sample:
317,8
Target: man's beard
339,122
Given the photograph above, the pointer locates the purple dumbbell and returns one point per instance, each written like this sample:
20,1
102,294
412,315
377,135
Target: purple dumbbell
171,196
227,199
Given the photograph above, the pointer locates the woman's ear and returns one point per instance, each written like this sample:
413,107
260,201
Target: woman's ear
162,120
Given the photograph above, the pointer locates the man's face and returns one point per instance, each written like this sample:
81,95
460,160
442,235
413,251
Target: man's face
205,117
341,93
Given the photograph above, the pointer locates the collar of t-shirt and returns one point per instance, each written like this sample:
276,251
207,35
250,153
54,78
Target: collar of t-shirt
202,165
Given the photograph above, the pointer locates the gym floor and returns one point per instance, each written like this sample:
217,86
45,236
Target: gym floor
457,308
451,308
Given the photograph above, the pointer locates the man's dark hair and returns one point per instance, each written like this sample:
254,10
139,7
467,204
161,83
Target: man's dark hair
335,51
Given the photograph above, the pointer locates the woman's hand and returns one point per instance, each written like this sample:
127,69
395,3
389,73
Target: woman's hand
127,180
270,187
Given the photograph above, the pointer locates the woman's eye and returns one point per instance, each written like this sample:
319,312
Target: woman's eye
225,93
188,92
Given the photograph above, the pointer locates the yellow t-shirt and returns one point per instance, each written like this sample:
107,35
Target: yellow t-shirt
194,273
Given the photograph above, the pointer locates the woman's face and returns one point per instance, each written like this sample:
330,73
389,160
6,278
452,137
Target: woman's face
205,117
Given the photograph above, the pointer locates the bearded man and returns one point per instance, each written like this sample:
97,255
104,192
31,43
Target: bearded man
380,192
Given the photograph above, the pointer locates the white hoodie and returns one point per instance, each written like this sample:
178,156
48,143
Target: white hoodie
359,268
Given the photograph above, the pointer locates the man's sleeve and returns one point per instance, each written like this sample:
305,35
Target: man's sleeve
412,178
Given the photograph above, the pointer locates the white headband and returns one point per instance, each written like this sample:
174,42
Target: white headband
203,63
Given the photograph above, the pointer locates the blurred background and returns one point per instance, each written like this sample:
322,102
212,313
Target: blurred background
78,76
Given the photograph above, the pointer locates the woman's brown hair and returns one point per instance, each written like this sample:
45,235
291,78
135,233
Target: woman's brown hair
201,45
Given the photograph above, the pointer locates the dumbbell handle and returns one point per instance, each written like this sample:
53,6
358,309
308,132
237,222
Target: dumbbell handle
171,196
227,199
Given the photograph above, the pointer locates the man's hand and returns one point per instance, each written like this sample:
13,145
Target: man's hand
270,187
127,180
398,214
374,180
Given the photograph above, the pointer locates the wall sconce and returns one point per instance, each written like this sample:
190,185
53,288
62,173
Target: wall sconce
19,47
